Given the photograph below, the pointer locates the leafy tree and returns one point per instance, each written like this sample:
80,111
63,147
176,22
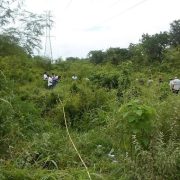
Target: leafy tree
155,45
117,55
8,13
9,47
96,57
25,28
175,33
136,51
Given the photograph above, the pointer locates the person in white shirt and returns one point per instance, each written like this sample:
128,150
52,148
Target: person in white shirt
176,85
50,82
74,77
57,78
45,76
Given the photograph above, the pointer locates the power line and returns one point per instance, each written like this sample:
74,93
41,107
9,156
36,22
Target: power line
124,11
68,5
115,3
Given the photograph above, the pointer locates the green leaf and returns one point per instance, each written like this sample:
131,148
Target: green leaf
139,112
131,119
125,114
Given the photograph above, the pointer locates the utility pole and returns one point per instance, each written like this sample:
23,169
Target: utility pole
48,46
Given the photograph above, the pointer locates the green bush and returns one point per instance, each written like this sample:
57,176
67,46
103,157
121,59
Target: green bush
137,119
105,79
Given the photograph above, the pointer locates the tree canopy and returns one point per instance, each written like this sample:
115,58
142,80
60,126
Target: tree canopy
175,33
155,45
25,28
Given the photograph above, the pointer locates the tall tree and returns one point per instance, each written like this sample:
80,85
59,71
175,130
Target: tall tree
24,27
136,51
8,11
117,55
155,45
175,32
9,47
96,57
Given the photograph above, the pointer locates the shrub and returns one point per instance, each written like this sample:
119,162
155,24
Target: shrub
105,79
137,119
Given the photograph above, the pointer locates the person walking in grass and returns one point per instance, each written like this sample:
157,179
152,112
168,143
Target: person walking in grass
171,84
56,79
175,85
50,82
45,76
74,77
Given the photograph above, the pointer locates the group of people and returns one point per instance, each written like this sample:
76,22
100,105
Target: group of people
175,85
51,80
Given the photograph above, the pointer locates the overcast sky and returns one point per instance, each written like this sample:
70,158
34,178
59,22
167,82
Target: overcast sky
85,25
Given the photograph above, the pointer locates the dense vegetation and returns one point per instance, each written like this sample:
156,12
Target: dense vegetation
124,127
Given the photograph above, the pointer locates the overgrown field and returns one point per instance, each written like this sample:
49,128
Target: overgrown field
123,127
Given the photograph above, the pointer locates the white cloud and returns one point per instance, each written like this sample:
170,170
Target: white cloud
84,25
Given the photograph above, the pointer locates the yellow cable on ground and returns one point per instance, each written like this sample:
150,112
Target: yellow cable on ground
73,142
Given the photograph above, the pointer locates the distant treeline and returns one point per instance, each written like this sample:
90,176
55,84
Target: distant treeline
150,49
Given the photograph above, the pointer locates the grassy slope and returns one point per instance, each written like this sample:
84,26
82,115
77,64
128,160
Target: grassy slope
34,140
